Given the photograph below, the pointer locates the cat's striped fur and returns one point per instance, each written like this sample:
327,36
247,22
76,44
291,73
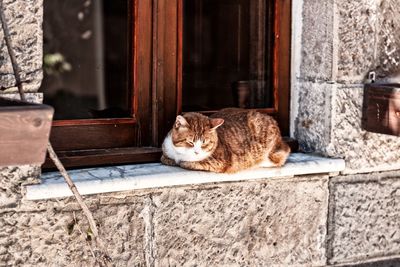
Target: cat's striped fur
229,141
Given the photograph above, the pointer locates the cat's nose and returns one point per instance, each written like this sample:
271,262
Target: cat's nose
196,152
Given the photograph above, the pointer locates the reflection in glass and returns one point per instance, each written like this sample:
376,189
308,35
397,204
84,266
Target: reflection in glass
227,54
86,55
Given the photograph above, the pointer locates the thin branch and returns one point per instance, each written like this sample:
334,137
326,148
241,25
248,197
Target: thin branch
101,256
104,258
50,149
74,190
13,58
89,245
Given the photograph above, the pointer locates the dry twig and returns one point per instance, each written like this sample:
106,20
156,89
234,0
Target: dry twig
74,190
50,149
13,58
103,258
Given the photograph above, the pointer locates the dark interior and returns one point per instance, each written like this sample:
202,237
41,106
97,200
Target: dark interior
86,58
227,54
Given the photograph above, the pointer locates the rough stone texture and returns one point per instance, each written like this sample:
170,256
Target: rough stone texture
278,222
329,122
328,116
381,263
58,236
271,223
317,47
357,38
388,56
11,181
364,217
30,97
24,18
369,39
362,150
313,123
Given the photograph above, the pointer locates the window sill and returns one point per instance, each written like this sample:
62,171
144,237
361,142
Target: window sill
153,175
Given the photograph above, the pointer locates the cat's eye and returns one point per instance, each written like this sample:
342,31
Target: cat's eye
204,143
190,142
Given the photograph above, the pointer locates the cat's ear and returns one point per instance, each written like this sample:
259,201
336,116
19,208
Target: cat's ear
215,123
180,122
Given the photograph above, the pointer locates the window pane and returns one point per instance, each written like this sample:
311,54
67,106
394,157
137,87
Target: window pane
86,55
227,54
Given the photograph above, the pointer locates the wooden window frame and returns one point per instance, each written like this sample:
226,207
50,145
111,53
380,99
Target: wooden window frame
156,82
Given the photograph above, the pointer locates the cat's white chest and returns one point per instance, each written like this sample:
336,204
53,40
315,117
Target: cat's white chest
179,154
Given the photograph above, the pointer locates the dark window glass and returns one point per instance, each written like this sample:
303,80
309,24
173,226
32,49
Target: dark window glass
86,56
227,54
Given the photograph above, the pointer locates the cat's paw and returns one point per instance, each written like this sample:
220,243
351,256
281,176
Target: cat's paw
167,161
187,165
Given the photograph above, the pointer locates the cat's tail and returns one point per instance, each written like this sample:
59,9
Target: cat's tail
278,156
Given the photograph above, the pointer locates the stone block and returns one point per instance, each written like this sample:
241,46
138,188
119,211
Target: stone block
368,38
312,126
11,181
388,39
364,217
30,97
59,238
357,38
329,122
24,18
379,263
317,61
363,151
278,222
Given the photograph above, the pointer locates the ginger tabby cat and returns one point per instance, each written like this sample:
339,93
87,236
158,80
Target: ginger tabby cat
229,141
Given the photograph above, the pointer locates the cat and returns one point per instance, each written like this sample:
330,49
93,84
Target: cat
229,141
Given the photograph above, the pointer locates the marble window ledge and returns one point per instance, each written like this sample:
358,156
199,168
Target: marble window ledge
152,175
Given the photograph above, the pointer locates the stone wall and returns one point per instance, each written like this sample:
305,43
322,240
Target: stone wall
55,233
346,220
276,222
300,221
364,217
341,42
24,18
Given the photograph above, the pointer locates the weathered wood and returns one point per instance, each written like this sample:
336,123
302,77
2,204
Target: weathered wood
142,69
24,132
381,108
93,135
282,62
96,157
165,71
169,86
157,63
